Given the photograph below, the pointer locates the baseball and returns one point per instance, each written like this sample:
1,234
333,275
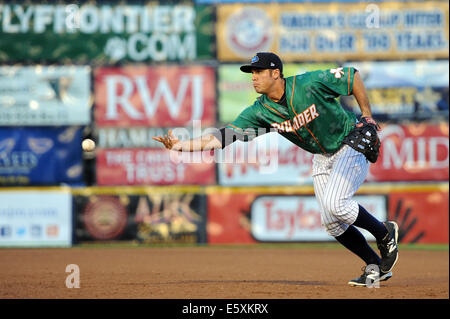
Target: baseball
88,145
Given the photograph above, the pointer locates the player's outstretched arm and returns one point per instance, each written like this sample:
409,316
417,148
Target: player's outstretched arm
203,143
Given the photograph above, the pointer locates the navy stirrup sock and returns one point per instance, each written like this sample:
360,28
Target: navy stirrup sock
353,240
368,222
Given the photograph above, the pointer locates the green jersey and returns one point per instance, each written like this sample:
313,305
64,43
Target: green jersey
313,118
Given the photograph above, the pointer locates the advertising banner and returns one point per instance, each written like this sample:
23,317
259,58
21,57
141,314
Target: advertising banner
297,218
236,91
106,33
35,218
152,217
331,31
411,89
159,96
149,167
414,152
279,163
44,95
421,216
40,156
260,217
137,137
286,214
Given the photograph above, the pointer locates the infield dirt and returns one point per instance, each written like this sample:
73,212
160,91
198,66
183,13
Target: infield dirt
215,272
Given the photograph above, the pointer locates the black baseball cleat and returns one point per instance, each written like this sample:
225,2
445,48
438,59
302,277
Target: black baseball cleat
388,247
370,276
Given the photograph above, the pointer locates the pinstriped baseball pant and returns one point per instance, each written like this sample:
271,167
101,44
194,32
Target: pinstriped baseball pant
336,178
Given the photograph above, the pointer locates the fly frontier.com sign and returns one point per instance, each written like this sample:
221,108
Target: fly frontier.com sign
104,32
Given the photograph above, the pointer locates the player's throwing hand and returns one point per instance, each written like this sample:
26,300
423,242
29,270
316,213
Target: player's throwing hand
169,141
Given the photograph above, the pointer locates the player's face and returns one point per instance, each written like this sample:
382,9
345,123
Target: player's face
263,80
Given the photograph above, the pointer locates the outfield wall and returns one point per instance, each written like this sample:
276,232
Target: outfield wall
53,216
122,73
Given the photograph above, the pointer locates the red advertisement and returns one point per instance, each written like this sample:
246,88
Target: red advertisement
160,96
283,215
422,217
416,152
266,217
150,167
229,218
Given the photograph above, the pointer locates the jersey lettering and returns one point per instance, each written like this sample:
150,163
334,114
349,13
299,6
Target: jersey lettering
313,111
298,121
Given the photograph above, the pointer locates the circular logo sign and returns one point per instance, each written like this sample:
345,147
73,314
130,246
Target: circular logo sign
105,218
249,31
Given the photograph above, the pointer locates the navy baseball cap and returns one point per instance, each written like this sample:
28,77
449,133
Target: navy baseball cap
263,60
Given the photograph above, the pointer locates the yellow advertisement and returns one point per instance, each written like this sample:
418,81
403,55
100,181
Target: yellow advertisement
334,31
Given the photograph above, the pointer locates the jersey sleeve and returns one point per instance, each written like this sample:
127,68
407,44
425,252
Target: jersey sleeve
248,124
247,121
335,82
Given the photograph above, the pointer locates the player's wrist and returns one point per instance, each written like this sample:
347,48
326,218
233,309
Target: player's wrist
370,121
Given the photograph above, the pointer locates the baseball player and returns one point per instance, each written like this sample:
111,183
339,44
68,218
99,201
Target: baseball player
304,109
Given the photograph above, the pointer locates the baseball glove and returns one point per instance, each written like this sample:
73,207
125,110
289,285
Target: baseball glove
364,139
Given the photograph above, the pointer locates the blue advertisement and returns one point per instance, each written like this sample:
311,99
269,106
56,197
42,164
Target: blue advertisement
40,156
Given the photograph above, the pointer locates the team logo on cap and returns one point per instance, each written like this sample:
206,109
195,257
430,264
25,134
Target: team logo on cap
249,30
255,59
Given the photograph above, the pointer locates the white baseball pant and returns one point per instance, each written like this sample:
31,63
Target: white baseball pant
336,178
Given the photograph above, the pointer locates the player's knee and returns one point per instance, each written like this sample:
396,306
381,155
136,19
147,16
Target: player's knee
338,208
335,229
333,207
